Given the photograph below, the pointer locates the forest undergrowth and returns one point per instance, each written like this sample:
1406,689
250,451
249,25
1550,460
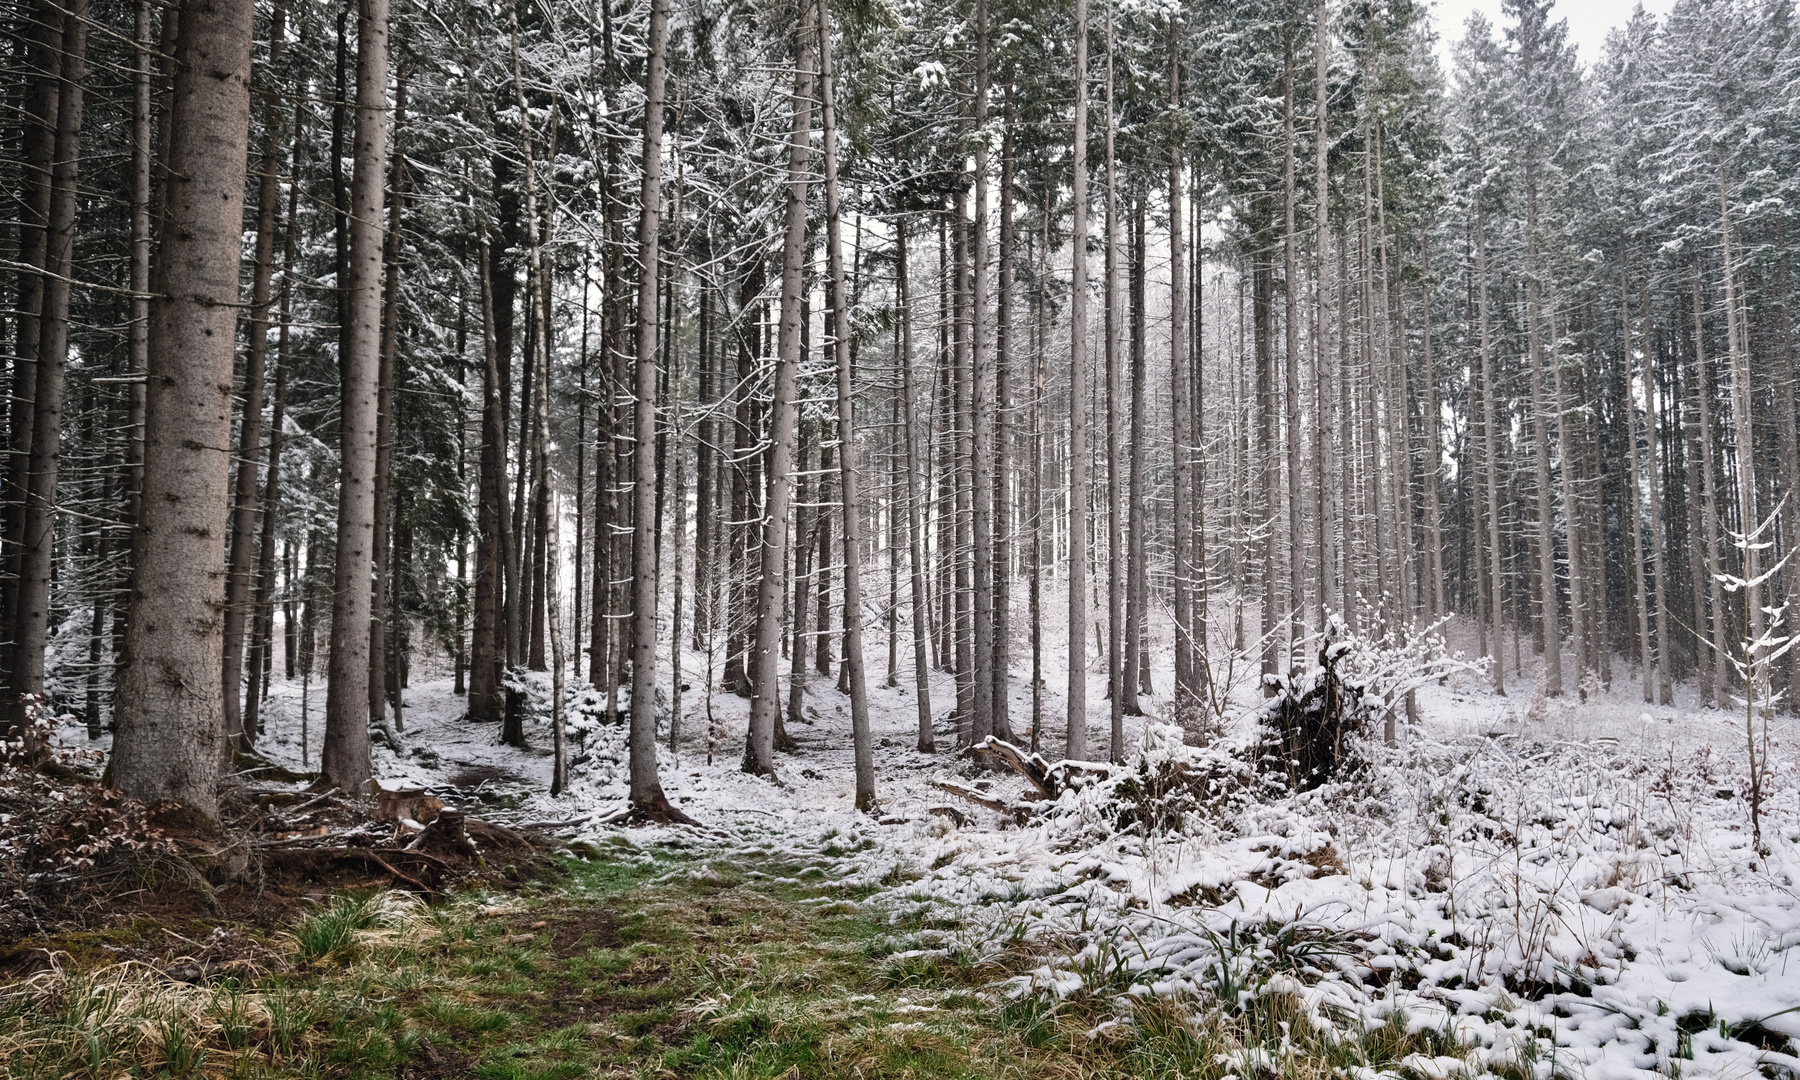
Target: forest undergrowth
647,963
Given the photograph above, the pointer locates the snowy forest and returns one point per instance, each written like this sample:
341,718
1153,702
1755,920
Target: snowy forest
898,538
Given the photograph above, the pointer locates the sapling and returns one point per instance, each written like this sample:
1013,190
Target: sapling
1762,646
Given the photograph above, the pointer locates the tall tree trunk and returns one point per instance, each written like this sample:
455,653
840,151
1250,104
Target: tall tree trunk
386,425
1004,483
1115,422
1628,361
981,434
646,789
1743,402
1076,732
1138,522
1717,689
1431,435
848,495
243,517
1324,423
1188,658
170,704
1490,449
344,760
1788,433
43,50
1551,625
915,527
38,541
765,698
1294,440
262,601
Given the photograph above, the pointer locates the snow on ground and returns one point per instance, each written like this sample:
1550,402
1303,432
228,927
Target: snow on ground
1564,886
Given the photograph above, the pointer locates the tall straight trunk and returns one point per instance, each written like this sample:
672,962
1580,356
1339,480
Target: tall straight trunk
1188,658
1265,463
1654,476
915,526
1036,583
138,332
1431,436
1076,732
962,411
1627,359
822,652
646,789
1541,404
262,602
486,653
344,760
1743,402
1324,424
1004,482
1293,440
1138,523
1580,613
981,434
43,55
848,495
243,517
759,751
1717,689
169,706
386,424
705,499
1115,422
806,533
1788,434
1490,447
38,540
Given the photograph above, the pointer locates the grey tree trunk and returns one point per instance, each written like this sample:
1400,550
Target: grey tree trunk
43,55
1490,449
1295,440
1115,423
170,701
1137,596
1324,424
344,759
37,565
915,528
1075,744
846,399
981,404
238,611
1551,624
765,700
646,788
262,601
386,592
1646,657
1188,655
1004,482
1652,457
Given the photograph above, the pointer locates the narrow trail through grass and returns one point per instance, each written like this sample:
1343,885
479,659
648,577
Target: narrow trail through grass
639,965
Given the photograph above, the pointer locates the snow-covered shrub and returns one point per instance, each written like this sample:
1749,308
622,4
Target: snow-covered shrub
1173,787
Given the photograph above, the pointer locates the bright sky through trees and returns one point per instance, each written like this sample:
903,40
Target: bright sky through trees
1589,20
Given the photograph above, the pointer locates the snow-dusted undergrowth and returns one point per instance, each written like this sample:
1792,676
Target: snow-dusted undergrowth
1565,888
1581,906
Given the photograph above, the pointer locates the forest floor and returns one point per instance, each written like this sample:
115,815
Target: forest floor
1521,888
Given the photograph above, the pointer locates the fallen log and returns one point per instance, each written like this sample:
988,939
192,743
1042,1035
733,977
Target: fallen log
1018,813
1033,768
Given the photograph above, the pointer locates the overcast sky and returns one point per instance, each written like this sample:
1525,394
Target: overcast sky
1589,20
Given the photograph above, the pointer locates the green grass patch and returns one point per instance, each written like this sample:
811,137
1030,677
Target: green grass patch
639,966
